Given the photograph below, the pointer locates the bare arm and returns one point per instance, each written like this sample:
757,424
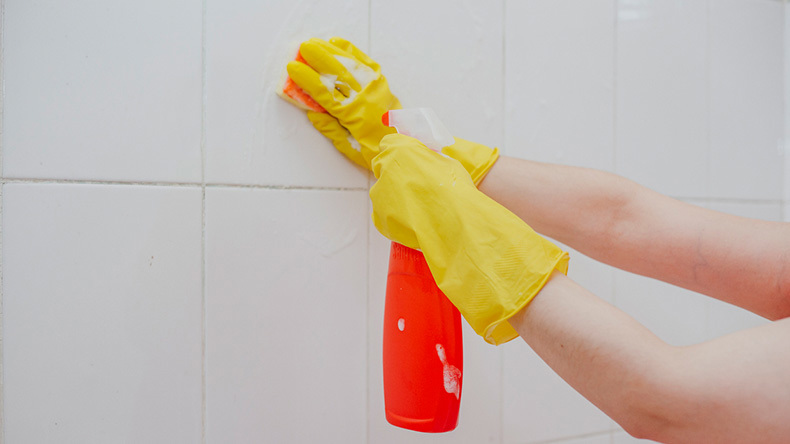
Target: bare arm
742,261
733,389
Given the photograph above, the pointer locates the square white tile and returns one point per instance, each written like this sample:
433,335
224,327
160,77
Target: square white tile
662,110
102,322
746,90
594,276
286,334
754,210
538,405
787,115
676,315
107,92
603,438
253,136
559,80
447,56
480,413
621,437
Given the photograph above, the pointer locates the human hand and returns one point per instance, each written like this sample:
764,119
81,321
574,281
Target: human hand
350,87
488,262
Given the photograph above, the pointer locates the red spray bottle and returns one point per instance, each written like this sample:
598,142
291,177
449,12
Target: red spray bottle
423,344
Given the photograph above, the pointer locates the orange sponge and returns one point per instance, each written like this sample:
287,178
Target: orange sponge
291,92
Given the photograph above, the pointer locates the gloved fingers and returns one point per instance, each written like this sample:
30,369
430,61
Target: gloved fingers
347,73
332,60
340,137
349,47
316,86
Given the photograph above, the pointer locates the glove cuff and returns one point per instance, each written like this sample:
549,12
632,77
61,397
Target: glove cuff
477,159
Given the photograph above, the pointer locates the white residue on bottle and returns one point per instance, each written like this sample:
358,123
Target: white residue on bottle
401,324
451,374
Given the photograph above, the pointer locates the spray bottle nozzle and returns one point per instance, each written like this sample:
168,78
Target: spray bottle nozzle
421,123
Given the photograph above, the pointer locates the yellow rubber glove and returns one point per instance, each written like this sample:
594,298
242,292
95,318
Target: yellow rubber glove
488,261
476,159
350,87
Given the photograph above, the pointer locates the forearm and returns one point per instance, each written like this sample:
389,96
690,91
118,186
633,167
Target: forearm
714,392
600,214
616,221
577,206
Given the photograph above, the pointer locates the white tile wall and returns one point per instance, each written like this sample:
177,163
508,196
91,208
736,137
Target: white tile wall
101,313
446,55
102,91
622,437
252,136
286,328
595,439
559,73
787,114
538,405
675,315
746,80
661,110
241,309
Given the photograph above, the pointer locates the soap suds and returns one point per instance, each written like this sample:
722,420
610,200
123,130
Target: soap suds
362,73
354,143
450,373
329,81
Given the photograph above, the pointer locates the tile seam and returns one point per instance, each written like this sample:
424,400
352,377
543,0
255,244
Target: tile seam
367,276
2,146
203,292
562,439
503,141
177,184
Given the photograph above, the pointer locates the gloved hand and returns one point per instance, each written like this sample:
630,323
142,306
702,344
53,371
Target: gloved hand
350,87
488,262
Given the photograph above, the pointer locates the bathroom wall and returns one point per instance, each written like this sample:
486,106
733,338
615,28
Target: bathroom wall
184,259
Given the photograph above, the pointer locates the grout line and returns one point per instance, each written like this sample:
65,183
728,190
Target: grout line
564,439
501,406
287,187
708,123
785,110
2,314
367,273
177,184
615,38
14,180
203,328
